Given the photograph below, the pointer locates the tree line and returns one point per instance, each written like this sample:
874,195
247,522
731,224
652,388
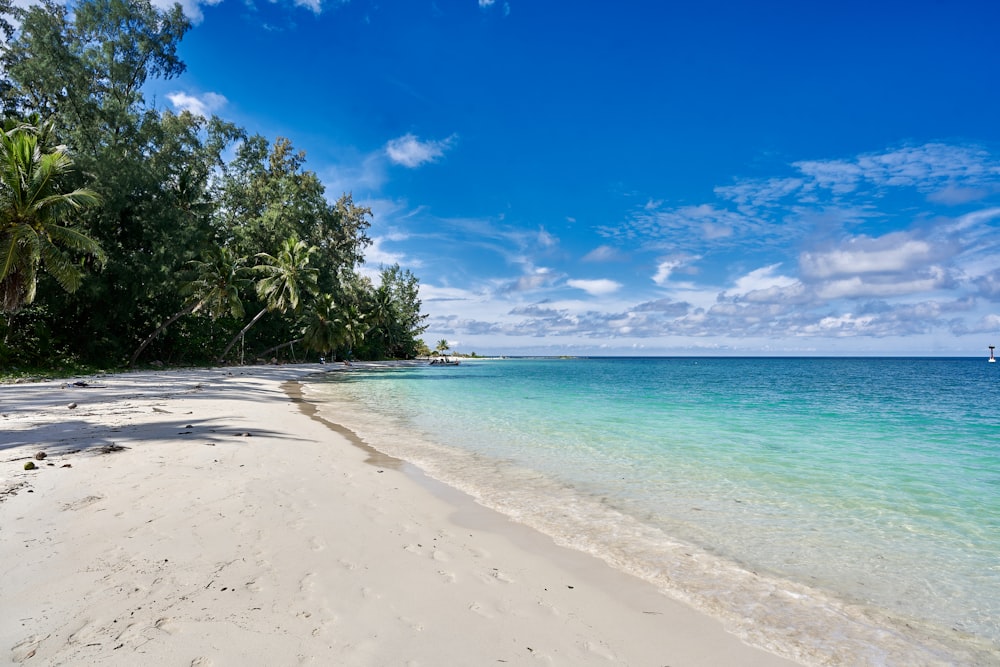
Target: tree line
131,234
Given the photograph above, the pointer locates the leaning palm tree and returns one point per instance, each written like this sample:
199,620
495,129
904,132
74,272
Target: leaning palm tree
286,278
32,212
215,290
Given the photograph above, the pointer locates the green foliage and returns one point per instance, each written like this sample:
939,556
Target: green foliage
285,279
32,208
321,331
178,223
393,315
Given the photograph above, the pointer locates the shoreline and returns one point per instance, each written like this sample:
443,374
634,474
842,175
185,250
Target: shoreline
790,617
227,525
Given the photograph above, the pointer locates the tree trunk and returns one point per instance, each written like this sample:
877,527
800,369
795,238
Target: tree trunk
159,330
278,347
240,335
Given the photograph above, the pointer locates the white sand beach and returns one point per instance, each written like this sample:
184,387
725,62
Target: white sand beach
206,517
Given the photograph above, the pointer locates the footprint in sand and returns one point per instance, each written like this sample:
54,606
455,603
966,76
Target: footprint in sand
325,628
202,662
476,552
497,575
477,608
308,582
317,544
601,650
411,623
82,633
167,625
26,648
82,503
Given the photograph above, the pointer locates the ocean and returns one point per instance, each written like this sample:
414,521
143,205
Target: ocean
835,511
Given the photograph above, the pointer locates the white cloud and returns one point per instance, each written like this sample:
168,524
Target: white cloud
203,105
546,240
315,6
486,3
693,226
953,196
409,151
539,277
944,173
597,287
377,254
838,176
604,253
975,219
859,287
357,174
793,293
892,253
760,193
761,279
664,269
191,8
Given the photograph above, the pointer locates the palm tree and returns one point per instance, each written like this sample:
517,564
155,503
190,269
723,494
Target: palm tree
350,327
321,332
442,345
287,277
215,290
32,208
382,319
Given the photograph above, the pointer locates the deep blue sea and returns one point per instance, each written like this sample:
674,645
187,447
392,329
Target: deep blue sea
837,511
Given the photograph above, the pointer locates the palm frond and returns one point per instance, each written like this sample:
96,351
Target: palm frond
31,210
59,266
74,240
18,245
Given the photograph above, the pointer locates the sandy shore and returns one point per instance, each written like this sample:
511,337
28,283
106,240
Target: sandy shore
209,518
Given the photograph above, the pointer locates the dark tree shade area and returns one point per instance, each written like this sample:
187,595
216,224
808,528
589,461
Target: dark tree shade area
132,235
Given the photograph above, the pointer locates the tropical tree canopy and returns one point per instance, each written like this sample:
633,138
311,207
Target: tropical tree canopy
33,212
284,280
181,204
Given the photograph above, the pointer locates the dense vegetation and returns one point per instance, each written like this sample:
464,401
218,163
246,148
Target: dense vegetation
132,234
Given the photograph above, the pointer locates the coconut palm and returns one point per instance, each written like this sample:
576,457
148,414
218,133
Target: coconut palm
382,319
351,327
321,331
286,278
215,290
32,212
442,345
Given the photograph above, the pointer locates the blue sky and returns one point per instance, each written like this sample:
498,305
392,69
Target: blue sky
645,177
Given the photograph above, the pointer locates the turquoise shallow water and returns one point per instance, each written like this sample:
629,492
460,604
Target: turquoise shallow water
829,509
